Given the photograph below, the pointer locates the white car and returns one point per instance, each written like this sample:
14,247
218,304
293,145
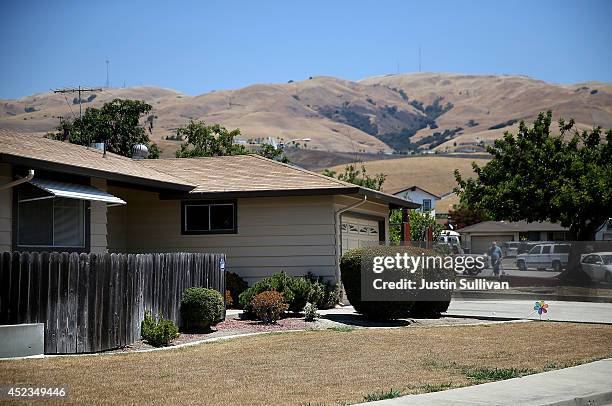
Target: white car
598,265
544,256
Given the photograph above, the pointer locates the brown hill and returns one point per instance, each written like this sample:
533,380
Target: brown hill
434,173
371,116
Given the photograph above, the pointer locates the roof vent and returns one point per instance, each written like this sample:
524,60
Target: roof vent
140,151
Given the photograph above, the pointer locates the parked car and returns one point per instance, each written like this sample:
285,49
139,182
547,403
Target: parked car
598,265
544,256
511,248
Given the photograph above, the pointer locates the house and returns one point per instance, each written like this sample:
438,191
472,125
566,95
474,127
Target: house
264,215
420,196
478,237
604,233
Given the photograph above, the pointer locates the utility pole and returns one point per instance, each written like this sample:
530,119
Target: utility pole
419,58
107,81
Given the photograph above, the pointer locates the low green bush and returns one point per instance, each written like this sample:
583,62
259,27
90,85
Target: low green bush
297,291
158,332
269,306
351,269
201,308
310,312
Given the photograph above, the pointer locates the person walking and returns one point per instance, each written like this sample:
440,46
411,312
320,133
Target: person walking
496,254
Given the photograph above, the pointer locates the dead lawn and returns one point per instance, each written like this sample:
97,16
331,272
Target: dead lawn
320,367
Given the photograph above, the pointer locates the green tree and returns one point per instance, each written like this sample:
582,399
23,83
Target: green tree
271,152
463,216
358,177
419,223
117,123
203,140
536,176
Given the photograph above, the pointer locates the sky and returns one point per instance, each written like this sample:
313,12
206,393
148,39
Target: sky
200,46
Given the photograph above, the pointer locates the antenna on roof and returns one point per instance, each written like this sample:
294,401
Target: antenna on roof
419,58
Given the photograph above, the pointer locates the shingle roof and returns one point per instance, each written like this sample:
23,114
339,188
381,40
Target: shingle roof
25,149
254,175
516,226
242,173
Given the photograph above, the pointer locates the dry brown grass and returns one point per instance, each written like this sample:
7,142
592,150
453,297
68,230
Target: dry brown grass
325,367
432,173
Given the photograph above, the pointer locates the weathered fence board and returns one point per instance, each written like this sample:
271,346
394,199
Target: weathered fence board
96,302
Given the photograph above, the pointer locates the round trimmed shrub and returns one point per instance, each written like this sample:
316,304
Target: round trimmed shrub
430,303
351,270
201,308
269,306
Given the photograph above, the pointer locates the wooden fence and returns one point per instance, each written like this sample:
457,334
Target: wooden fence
96,302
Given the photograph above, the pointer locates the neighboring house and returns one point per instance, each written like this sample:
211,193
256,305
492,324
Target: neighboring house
478,237
265,215
604,233
420,196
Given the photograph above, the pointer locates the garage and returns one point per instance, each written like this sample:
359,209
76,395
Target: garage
481,243
359,232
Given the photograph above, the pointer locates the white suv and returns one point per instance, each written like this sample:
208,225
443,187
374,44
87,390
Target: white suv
544,256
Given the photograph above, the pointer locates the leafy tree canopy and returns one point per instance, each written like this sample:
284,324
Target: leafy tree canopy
271,152
203,140
358,177
536,176
463,216
117,123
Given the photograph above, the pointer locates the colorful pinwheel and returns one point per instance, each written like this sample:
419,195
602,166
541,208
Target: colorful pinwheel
540,307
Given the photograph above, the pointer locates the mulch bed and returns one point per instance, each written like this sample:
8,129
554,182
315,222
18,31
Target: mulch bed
233,325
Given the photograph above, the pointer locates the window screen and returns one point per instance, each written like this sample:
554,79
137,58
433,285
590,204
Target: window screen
53,222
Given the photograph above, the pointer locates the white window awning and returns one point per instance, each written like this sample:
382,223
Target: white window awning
73,191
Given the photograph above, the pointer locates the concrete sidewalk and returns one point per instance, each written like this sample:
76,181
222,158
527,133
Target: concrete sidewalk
588,384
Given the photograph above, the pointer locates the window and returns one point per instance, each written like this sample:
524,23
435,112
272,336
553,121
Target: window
426,205
218,217
49,222
546,249
562,249
535,250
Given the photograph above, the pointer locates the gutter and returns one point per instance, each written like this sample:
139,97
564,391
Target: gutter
337,220
18,182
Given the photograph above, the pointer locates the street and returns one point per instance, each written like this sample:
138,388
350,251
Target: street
585,312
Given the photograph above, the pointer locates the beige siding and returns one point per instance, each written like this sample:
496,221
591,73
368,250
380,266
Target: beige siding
294,234
98,226
6,208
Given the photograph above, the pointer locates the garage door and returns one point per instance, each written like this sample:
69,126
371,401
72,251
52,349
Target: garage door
357,232
482,243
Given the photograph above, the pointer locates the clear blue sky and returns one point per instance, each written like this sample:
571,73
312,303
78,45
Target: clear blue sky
199,46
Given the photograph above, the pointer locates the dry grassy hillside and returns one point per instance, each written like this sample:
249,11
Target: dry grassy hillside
369,116
483,102
432,173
